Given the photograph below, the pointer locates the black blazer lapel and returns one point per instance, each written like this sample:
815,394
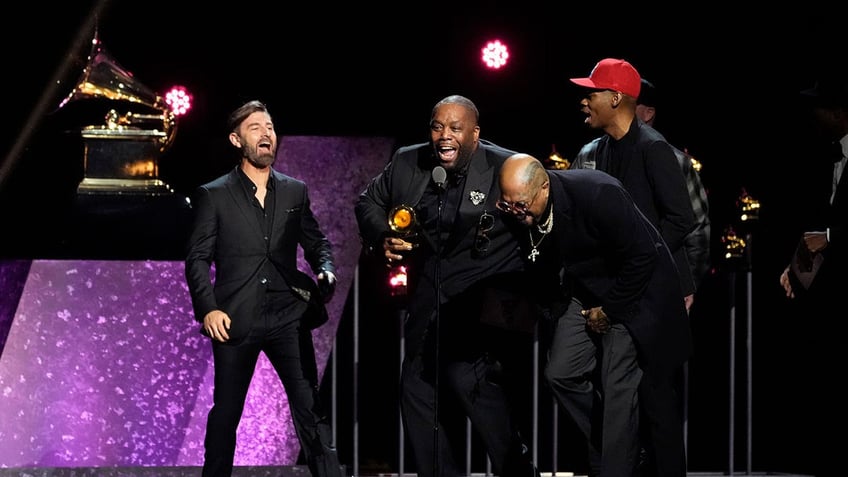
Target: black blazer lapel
278,227
841,198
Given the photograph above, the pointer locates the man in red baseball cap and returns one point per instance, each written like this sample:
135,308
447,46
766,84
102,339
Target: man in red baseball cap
646,165
615,75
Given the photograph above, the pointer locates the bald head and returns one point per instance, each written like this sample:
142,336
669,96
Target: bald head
518,171
522,178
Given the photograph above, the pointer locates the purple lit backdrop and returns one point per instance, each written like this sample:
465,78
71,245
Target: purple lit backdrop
104,366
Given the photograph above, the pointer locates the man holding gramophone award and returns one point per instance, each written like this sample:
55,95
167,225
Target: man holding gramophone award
432,210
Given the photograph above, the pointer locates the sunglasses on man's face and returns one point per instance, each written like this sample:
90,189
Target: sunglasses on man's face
518,209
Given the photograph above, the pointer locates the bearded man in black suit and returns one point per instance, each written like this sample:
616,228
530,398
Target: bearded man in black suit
248,225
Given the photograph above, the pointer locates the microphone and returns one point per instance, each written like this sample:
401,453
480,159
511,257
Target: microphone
440,176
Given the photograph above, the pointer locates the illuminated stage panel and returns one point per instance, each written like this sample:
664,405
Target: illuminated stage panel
336,170
104,366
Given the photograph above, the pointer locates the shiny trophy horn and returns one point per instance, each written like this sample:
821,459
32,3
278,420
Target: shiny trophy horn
402,220
122,153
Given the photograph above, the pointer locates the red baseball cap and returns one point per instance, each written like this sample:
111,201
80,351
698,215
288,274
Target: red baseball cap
614,74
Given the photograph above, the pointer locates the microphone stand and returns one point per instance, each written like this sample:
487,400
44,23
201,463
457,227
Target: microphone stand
440,183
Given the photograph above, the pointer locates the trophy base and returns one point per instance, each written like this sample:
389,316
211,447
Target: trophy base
92,185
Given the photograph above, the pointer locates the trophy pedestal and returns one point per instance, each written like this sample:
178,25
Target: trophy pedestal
122,161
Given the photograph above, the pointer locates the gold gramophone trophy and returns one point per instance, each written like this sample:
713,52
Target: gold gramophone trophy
556,161
402,220
122,154
734,245
403,223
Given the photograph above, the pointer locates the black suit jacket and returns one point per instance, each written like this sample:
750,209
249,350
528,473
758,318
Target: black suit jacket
829,283
227,235
836,254
646,164
404,181
612,256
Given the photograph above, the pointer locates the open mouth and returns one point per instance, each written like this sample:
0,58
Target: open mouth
447,153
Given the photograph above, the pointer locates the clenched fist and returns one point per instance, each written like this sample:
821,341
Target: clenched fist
596,320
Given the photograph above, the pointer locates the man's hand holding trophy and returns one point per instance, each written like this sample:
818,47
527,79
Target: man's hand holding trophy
403,223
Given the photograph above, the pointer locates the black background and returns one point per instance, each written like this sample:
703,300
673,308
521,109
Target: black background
729,79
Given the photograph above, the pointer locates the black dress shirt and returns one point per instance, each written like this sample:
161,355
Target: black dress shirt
272,277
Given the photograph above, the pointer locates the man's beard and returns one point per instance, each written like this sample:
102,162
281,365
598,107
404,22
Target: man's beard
260,161
463,158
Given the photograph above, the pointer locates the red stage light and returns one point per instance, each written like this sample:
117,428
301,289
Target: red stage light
179,100
495,54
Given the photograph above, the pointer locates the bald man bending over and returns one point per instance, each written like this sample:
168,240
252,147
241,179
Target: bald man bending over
608,284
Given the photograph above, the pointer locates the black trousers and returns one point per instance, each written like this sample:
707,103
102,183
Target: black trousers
661,402
475,380
289,348
607,414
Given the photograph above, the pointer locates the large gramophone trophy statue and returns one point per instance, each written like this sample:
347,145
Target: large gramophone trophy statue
122,153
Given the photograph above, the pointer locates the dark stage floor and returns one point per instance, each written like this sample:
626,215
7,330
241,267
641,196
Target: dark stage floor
247,471
263,471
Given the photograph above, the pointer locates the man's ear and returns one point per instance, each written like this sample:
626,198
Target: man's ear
235,140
